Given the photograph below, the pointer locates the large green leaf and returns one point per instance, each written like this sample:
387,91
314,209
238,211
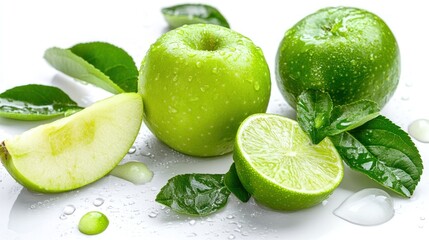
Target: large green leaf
102,64
384,152
36,102
194,194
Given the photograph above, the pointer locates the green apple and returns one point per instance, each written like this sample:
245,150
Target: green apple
198,83
74,151
348,52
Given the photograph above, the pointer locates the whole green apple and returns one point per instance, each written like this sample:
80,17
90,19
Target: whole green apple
348,52
198,83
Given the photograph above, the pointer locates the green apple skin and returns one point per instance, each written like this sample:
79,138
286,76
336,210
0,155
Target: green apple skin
348,52
198,83
77,150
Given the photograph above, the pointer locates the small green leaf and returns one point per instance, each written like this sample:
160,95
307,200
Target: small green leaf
313,113
182,14
233,183
319,118
194,194
384,152
102,64
350,116
36,102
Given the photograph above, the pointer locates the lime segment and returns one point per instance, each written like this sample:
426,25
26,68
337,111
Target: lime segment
280,167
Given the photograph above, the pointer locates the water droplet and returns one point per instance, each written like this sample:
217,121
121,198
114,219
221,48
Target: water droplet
133,171
231,236
192,222
256,86
132,150
93,223
198,64
230,216
422,218
367,207
153,215
63,216
172,109
32,206
215,70
419,130
69,210
405,98
98,202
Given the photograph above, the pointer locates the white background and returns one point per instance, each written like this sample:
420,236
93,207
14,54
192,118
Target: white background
28,28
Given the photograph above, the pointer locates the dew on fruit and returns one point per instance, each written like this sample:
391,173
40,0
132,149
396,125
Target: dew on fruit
172,109
133,171
367,207
198,64
256,86
419,130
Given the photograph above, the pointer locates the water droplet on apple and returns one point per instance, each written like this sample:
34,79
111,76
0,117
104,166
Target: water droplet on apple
172,109
367,207
256,86
198,64
419,129
215,70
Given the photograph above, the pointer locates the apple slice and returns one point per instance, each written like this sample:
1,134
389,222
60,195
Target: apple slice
75,151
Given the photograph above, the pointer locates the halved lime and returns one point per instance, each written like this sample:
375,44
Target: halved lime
277,163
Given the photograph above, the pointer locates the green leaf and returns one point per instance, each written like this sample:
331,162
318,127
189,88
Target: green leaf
233,183
102,64
182,14
36,102
351,116
384,152
194,194
313,113
319,118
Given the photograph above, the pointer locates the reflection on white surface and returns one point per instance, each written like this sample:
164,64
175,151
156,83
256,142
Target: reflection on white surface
367,207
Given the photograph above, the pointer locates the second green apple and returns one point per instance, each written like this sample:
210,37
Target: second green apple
198,83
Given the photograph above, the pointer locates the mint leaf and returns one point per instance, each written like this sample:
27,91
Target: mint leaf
194,194
102,64
182,14
313,113
319,118
233,183
36,102
384,152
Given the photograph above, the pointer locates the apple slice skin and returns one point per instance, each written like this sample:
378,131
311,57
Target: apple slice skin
198,83
75,151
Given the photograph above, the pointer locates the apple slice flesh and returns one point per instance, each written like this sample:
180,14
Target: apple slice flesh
75,151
